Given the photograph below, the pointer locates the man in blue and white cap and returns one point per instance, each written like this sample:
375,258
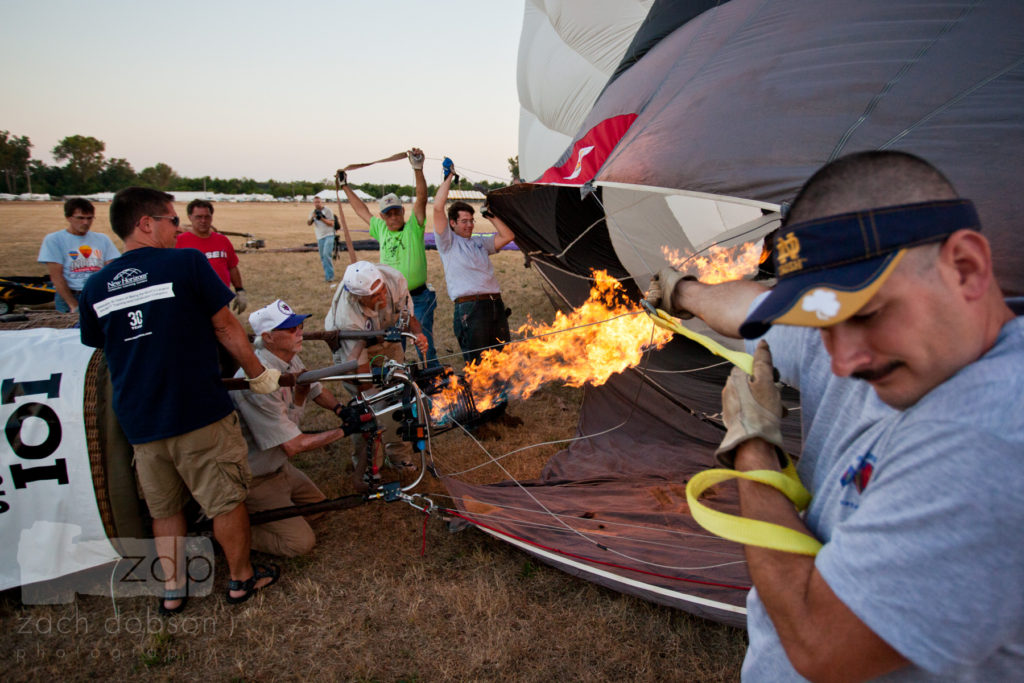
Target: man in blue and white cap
270,425
888,318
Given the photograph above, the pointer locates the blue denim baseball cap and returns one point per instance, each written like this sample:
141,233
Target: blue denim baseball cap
828,268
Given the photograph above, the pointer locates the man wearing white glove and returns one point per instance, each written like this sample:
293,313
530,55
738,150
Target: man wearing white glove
158,315
215,247
888,318
402,246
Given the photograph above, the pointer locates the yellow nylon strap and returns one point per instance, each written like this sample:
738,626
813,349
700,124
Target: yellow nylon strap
753,531
744,361
733,527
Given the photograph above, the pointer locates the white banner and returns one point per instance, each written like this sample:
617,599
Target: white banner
50,524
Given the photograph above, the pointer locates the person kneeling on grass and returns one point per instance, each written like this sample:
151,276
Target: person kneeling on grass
270,425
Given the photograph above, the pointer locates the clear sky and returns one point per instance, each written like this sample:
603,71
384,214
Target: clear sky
262,89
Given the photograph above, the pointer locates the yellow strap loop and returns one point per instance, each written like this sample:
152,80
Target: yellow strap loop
744,361
733,527
753,531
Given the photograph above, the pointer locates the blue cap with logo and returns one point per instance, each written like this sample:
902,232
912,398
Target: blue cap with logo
828,268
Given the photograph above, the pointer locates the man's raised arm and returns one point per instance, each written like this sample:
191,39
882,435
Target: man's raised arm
419,207
504,235
356,203
440,199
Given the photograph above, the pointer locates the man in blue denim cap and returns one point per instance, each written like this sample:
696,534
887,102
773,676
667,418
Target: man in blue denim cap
888,318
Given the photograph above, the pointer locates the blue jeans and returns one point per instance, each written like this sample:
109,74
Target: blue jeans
61,305
326,247
423,306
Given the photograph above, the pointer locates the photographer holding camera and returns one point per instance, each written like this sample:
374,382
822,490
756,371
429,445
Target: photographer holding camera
322,221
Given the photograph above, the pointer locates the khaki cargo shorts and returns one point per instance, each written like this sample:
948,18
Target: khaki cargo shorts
210,462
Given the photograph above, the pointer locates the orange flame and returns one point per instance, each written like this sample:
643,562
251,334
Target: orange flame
717,264
595,341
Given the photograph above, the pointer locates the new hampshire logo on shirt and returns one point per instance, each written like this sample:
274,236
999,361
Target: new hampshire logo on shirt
859,474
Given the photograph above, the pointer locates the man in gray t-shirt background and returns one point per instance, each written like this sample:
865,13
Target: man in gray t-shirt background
73,254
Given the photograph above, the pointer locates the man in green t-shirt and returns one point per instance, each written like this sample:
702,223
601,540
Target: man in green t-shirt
401,245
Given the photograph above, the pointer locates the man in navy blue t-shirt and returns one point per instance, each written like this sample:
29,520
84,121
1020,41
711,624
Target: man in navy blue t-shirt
158,314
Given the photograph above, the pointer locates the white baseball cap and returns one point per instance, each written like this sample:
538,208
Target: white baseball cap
275,316
361,277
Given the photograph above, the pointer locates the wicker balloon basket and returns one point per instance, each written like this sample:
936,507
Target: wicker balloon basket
120,504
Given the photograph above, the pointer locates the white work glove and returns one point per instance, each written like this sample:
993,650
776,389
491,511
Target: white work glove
240,302
751,408
266,382
416,158
659,293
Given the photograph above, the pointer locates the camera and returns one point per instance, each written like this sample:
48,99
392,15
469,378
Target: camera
319,214
486,212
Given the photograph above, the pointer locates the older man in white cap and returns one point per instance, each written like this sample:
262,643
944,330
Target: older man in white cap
374,297
270,425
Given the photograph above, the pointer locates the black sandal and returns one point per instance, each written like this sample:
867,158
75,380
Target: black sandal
260,571
174,594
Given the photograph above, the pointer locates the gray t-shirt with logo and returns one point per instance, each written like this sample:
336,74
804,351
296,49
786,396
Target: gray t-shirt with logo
920,512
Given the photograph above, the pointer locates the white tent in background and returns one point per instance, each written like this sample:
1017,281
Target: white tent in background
181,196
187,196
99,197
329,196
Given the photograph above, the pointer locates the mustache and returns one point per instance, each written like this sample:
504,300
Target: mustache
872,374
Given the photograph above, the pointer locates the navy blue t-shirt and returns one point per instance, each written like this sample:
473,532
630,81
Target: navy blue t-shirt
150,311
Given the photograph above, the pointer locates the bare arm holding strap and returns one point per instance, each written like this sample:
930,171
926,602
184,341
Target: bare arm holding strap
723,306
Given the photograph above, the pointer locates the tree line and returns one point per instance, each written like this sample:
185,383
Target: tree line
86,170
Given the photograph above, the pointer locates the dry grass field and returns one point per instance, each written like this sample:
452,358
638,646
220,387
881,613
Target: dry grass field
366,604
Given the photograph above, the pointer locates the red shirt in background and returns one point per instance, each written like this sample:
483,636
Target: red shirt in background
217,249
